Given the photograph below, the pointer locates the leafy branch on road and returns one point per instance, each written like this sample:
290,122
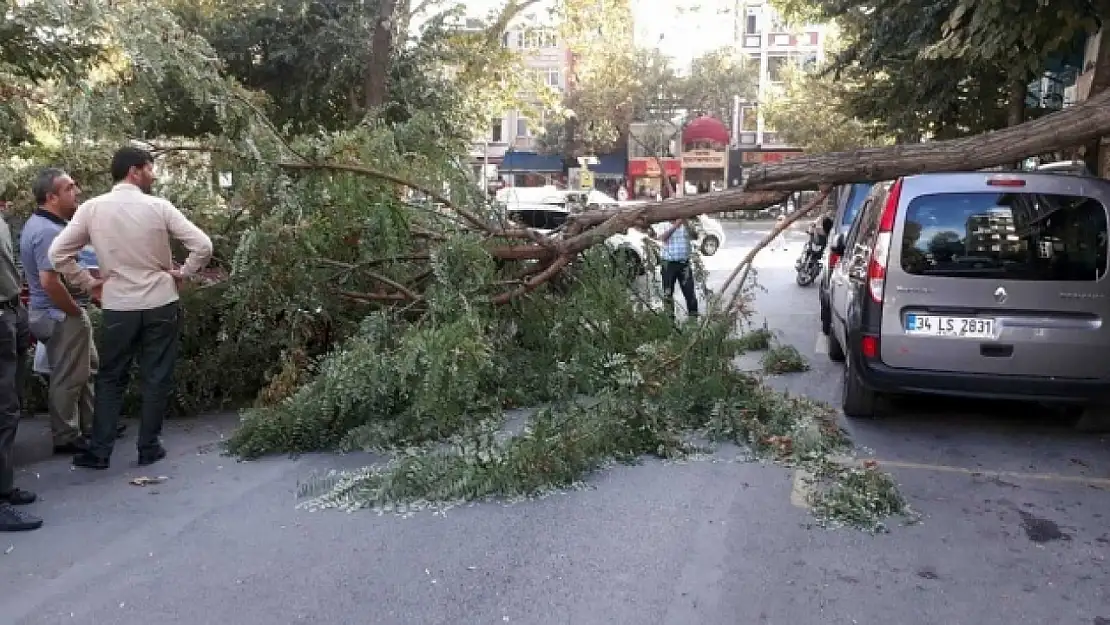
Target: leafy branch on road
784,358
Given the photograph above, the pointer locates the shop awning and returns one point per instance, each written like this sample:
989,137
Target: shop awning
531,162
610,166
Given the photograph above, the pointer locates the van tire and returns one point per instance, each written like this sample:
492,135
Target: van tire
858,402
836,351
826,319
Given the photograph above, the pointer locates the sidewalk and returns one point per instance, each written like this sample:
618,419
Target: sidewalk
33,443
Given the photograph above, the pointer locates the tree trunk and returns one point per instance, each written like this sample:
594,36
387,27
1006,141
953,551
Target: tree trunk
770,184
1059,131
376,86
1015,113
1098,152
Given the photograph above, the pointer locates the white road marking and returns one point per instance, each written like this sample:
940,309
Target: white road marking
822,346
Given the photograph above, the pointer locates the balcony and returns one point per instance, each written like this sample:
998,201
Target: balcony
490,149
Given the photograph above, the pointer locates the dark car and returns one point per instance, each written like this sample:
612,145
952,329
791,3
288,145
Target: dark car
848,199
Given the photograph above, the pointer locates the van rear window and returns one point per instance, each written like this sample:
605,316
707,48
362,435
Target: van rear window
1006,236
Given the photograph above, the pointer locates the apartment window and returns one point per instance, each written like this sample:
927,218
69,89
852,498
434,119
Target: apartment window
505,40
751,25
813,38
776,67
554,77
495,130
522,127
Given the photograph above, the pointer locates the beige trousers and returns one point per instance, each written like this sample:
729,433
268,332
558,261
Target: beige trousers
73,362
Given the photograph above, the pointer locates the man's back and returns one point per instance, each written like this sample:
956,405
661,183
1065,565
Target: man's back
131,232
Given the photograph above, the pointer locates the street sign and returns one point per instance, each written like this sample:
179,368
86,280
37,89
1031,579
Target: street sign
585,179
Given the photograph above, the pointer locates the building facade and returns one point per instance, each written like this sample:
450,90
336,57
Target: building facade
771,45
506,153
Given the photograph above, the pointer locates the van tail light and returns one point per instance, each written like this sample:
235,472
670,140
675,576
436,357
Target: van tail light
880,253
1005,182
834,258
869,347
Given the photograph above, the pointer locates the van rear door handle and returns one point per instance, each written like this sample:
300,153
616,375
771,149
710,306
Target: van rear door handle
996,351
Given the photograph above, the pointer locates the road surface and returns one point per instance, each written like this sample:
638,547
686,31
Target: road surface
1015,531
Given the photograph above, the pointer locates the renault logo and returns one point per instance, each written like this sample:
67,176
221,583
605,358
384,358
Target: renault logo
1000,295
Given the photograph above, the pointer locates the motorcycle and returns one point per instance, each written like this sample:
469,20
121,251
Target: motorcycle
808,265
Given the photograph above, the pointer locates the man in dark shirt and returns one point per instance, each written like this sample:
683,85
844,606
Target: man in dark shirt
15,339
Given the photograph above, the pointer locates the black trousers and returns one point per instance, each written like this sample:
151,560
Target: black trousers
15,338
682,273
152,335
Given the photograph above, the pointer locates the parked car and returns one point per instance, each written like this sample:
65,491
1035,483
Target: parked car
847,199
1071,168
976,284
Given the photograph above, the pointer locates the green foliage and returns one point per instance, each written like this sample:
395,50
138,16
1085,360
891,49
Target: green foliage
784,359
915,69
397,384
859,498
811,112
756,340
648,408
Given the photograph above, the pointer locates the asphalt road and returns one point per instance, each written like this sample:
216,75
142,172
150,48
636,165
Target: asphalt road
1014,531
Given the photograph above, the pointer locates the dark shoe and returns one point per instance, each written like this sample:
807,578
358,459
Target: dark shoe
86,460
18,497
70,448
12,520
150,456
121,430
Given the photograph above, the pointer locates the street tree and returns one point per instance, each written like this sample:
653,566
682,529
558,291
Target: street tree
923,64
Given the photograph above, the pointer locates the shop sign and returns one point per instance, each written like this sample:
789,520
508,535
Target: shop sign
649,167
752,158
704,159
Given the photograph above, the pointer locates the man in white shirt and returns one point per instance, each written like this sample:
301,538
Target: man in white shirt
131,231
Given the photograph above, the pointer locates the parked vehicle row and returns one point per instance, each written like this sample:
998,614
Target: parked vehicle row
980,284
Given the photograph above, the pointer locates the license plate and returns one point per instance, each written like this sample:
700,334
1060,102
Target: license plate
961,327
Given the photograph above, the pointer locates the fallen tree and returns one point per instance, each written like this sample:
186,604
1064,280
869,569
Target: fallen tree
766,185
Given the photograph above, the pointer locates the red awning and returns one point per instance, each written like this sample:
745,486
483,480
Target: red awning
705,129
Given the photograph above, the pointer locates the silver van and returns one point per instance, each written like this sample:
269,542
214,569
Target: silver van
987,285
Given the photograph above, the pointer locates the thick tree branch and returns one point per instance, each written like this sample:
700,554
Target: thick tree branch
534,282
1071,127
745,265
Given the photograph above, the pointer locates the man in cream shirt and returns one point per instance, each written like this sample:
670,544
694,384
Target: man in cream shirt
131,231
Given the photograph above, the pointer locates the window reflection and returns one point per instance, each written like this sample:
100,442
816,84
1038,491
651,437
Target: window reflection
1013,236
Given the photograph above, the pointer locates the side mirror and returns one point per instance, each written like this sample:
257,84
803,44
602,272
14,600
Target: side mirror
838,245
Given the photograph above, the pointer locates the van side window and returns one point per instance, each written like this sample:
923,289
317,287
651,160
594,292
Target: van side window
853,233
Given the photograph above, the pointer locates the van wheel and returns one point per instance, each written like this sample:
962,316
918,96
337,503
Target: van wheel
836,350
859,401
826,319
